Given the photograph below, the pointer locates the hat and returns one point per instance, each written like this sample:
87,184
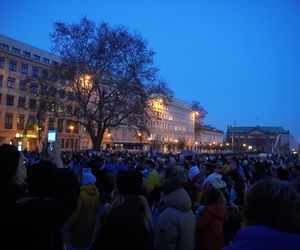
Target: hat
88,179
244,162
170,185
129,183
176,172
9,158
215,180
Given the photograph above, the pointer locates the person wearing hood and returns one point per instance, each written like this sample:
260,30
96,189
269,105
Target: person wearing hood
209,225
82,221
272,218
175,225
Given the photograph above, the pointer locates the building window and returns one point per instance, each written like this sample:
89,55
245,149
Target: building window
8,121
24,69
21,103
51,123
22,86
1,80
33,88
11,82
15,50
2,62
4,46
35,71
13,66
25,53
32,103
20,122
60,125
62,94
10,100
62,143
46,60
43,90
54,63
45,74
36,57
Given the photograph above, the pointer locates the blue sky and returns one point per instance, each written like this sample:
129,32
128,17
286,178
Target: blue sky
240,59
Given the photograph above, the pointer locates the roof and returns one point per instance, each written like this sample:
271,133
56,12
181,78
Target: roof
265,130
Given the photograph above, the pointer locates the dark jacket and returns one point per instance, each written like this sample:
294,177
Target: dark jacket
262,237
209,227
124,228
34,222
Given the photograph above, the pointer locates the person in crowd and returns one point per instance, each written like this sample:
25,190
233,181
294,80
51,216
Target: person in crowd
272,218
32,216
82,221
175,225
209,225
127,224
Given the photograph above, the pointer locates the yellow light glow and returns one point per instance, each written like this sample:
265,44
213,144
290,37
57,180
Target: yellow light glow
196,142
244,145
71,127
139,134
227,144
109,135
175,140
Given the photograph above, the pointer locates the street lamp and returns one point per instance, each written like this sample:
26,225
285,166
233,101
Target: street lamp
71,127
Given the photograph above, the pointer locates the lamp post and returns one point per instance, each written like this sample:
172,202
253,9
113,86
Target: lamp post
71,127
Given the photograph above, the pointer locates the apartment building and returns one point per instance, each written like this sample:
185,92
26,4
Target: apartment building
19,102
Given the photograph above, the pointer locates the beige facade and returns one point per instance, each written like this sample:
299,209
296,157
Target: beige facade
208,139
19,98
172,129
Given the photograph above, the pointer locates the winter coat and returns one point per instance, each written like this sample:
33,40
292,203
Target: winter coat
124,228
209,227
175,226
34,222
82,221
262,237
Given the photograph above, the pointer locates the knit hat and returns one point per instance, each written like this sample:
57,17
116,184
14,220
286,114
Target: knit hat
215,180
9,158
88,179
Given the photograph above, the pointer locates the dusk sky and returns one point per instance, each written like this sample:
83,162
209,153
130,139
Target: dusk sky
239,59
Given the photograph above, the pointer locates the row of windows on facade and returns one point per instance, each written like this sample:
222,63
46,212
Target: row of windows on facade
25,53
11,83
44,105
24,69
61,123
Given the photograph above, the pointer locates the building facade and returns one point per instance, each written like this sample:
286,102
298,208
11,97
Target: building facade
208,139
260,139
20,99
172,128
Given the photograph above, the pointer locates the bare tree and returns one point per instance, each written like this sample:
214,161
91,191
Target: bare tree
108,75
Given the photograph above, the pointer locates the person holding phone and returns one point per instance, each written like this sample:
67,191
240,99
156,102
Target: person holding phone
35,204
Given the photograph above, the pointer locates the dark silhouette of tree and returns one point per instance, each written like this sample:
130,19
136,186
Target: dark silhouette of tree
106,77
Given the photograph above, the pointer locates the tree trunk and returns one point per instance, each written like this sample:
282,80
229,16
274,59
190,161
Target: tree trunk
97,141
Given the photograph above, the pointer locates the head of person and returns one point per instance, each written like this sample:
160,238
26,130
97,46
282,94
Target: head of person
12,168
129,183
212,195
273,204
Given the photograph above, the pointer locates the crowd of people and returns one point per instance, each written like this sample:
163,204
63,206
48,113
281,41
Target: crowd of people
146,200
